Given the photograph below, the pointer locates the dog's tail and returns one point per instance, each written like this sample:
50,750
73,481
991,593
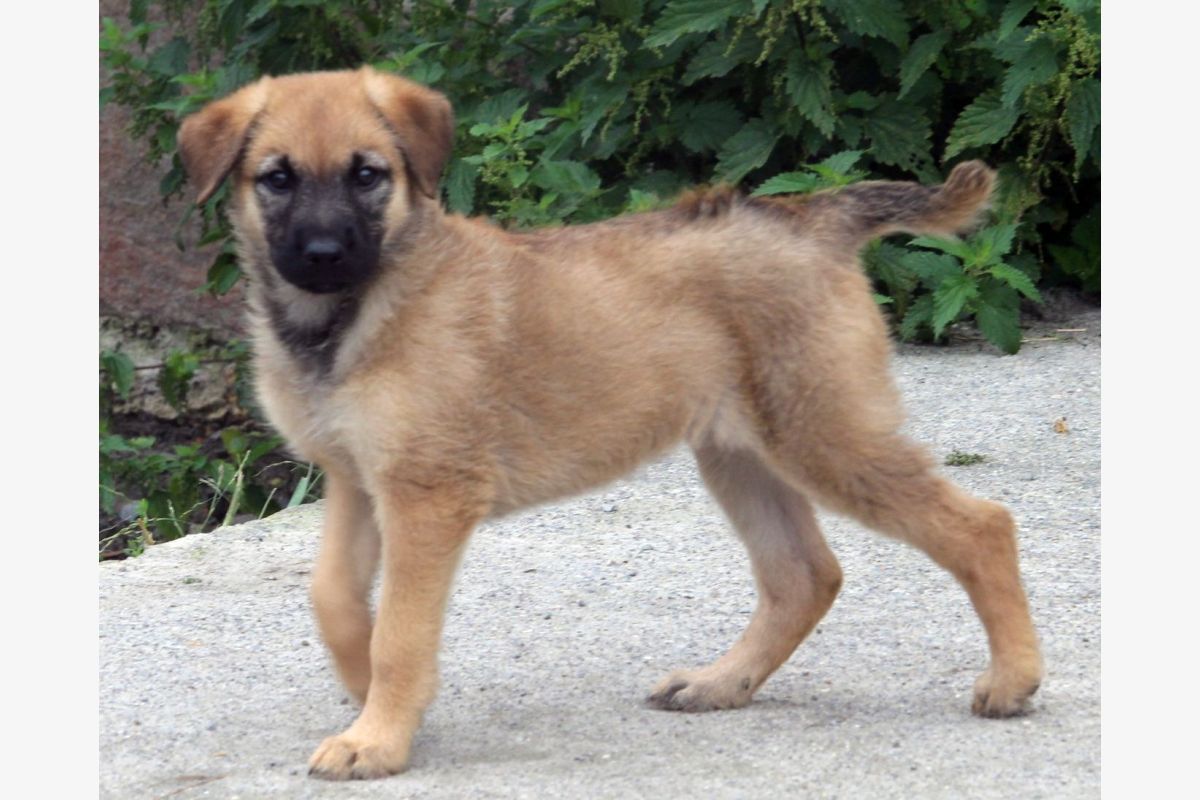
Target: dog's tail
876,208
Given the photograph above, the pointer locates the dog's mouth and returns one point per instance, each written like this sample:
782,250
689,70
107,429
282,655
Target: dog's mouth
325,287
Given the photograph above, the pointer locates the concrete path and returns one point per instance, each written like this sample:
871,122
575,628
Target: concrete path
214,682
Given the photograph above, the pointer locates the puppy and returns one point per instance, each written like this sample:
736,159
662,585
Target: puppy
443,371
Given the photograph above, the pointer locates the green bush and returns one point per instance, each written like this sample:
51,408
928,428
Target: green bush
576,111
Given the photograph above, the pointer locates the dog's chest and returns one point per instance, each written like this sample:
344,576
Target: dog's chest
301,405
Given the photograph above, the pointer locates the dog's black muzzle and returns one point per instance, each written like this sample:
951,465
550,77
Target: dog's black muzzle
324,261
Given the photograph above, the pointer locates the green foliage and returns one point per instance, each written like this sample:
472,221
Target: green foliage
1083,260
158,488
167,492
967,278
175,376
831,173
567,109
116,378
957,458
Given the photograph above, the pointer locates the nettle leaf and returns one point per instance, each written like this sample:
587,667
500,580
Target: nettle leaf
1083,116
998,315
833,171
886,262
1027,263
398,62
570,178
831,177
704,127
499,107
920,58
955,247
1009,48
236,442
175,377
899,134
516,174
641,201
992,243
808,86
1016,279
788,183
170,59
747,150
841,163
563,136
692,16
860,101
529,128
223,274
605,100
884,18
1015,194
986,121
1038,63
113,443
1012,16
932,268
119,369
545,7
950,298
920,313
460,186
425,71
715,59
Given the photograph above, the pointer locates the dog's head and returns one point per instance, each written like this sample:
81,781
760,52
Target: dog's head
326,168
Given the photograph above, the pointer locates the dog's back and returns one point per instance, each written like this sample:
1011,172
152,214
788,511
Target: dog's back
627,335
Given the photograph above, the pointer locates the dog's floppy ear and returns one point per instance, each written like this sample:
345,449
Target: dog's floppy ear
211,139
422,120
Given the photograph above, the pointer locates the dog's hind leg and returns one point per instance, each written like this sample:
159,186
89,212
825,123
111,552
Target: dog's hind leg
342,578
839,442
797,575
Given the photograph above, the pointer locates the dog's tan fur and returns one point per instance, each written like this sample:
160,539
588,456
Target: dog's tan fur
485,371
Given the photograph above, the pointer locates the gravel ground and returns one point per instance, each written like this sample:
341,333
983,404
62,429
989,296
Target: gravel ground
214,682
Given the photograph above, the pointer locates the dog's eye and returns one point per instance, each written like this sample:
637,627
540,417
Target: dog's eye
366,177
280,180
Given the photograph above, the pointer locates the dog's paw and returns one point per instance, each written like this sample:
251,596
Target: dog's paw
1005,692
350,757
701,690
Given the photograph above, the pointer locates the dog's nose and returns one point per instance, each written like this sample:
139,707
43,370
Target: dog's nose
323,251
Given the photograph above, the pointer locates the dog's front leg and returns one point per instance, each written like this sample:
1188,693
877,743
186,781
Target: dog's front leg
342,580
423,535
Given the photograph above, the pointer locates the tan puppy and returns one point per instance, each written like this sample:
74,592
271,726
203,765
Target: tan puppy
442,371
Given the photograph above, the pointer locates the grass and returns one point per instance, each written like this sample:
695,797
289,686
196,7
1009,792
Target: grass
958,458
